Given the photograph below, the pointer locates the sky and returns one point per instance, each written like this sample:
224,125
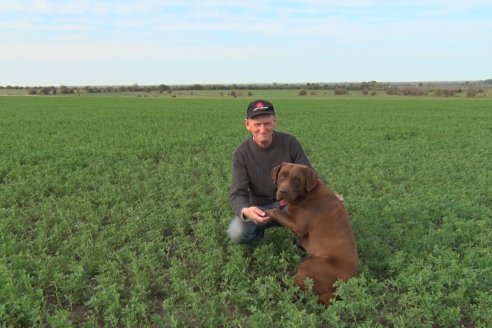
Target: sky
147,42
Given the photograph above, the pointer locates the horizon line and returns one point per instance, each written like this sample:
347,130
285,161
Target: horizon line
11,86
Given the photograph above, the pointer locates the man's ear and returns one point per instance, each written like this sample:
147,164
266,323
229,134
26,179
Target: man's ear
246,124
311,178
275,172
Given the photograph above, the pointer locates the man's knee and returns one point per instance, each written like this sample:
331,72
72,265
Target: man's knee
242,232
235,231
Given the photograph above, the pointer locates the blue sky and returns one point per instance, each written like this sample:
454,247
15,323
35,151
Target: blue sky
256,41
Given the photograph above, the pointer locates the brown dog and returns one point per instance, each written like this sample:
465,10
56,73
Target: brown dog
321,223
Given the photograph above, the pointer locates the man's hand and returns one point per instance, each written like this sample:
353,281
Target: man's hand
256,215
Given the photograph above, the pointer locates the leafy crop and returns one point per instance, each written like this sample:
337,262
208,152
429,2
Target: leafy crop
113,212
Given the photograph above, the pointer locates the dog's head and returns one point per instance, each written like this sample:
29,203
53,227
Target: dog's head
294,181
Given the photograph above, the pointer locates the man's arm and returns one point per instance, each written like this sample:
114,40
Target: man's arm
298,154
239,193
300,157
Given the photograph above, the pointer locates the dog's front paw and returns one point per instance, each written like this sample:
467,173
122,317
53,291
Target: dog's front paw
272,213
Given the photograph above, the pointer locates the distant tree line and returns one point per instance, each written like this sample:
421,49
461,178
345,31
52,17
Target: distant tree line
470,91
439,89
51,90
231,89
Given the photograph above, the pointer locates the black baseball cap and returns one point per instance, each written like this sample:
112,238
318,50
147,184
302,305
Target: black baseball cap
259,107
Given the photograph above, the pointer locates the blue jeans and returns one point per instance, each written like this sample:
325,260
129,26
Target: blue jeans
246,231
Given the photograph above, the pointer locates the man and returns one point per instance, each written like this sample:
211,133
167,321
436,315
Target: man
253,190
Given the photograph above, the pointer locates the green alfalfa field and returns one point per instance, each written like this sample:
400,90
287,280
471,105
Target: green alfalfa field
114,210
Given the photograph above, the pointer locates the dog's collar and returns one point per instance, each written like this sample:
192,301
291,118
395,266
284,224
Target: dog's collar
315,184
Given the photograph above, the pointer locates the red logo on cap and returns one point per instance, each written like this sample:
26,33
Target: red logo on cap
260,105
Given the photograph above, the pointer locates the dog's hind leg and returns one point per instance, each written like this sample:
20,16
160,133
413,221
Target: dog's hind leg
323,275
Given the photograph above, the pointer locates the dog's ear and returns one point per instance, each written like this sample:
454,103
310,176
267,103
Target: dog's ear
275,172
311,178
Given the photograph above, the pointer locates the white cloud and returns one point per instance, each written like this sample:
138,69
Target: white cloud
74,52
301,39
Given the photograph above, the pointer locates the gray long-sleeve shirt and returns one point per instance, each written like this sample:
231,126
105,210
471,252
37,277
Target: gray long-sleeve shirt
252,183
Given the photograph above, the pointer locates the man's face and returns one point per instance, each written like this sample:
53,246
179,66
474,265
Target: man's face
261,128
